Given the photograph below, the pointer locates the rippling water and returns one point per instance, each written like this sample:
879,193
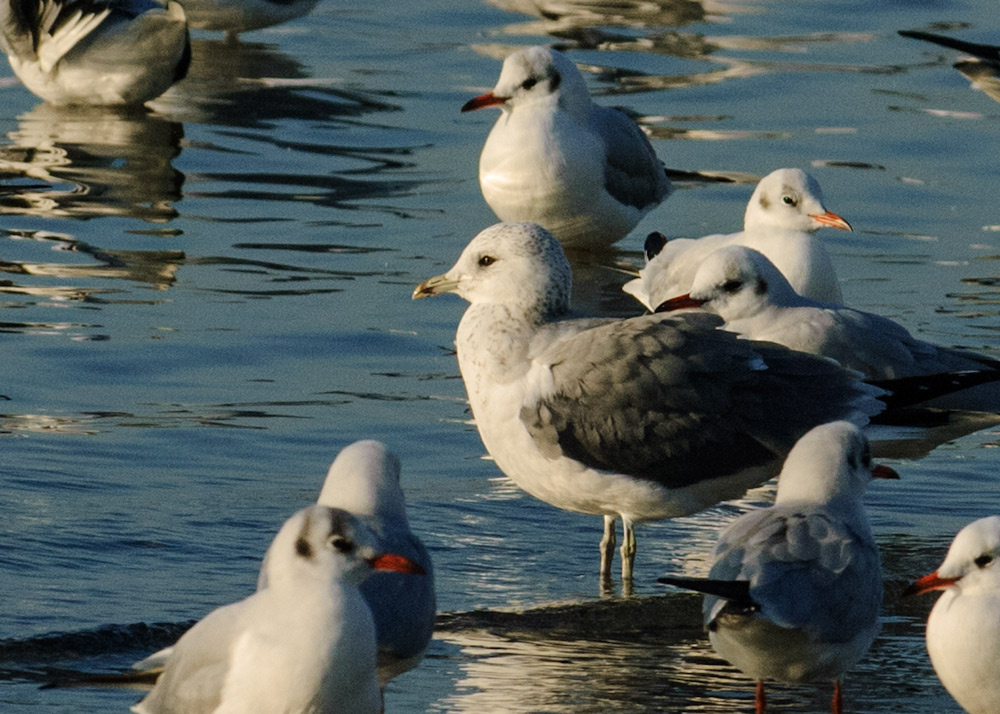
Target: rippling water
199,305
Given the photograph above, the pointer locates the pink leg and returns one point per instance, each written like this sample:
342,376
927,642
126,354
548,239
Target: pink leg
837,703
759,700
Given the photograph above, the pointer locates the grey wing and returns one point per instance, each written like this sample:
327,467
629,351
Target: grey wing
674,400
633,174
807,570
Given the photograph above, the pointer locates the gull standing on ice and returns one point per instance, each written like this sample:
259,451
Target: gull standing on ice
963,630
781,219
646,418
104,52
305,644
795,591
584,172
743,287
364,481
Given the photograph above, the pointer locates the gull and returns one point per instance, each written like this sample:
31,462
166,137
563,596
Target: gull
781,219
795,591
585,172
963,630
305,644
100,52
641,419
745,289
982,68
364,481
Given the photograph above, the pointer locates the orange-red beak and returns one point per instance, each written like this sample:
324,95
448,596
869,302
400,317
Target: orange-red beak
681,302
397,564
831,219
483,100
928,583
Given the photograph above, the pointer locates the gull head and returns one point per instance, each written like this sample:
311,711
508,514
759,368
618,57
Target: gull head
830,462
520,266
536,75
735,282
789,199
328,545
364,480
972,564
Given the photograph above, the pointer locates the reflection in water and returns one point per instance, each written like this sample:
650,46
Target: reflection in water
157,268
84,162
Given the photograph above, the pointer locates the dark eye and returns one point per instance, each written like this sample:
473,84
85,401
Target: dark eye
983,560
486,261
342,545
732,286
529,83
789,200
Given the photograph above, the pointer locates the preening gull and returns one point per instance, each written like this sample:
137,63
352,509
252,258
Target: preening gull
795,590
364,481
963,630
585,172
743,287
305,644
116,52
646,418
781,219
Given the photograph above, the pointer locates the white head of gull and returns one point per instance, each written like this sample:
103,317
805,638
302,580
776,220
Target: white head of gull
781,219
963,630
795,590
305,643
646,418
585,172
745,289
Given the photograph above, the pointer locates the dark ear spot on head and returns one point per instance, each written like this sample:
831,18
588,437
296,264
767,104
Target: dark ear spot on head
765,203
303,548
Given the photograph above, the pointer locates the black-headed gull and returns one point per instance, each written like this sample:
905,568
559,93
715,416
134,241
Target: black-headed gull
364,481
795,591
115,52
745,289
303,645
781,219
963,630
585,172
645,418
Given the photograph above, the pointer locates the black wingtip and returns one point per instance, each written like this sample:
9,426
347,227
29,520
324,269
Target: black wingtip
654,244
986,52
737,591
909,391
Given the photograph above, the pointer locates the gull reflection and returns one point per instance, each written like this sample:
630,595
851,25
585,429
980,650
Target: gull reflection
83,162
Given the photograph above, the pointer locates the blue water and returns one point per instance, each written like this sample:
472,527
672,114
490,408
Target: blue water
201,305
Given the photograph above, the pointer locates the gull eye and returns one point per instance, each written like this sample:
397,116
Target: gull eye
732,286
529,83
983,560
342,544
789,200
486,261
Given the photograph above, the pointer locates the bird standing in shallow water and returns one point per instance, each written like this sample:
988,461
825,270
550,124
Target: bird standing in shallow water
584,172
102,52
305,644
963,630
645,418
795,591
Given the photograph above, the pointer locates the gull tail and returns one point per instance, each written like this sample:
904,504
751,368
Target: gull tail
986,52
